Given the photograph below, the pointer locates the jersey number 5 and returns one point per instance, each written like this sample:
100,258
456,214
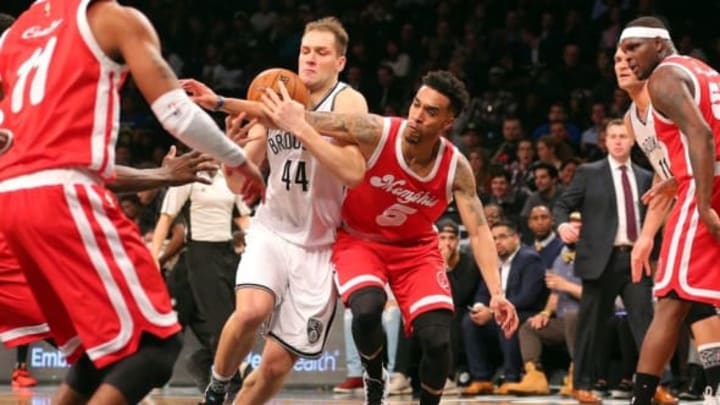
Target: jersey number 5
394,215
39,62
300,176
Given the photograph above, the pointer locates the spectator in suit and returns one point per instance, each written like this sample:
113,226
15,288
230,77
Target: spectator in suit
607,194
522,273
554,325
545,241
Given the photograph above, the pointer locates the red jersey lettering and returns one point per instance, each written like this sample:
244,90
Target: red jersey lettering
61,92
393,203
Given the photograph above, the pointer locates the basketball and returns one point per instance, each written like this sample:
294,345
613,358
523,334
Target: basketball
271,78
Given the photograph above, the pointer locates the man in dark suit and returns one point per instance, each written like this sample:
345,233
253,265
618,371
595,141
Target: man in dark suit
522,275
545,241
607,194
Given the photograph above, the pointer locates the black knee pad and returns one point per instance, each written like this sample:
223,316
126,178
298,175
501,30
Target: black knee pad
432,329
83,377
367,307
150,367
698,312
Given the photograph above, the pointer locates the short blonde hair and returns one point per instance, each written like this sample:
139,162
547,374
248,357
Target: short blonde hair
335,27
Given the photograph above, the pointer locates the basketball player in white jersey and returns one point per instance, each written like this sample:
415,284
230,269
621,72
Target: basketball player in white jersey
639,121
285,276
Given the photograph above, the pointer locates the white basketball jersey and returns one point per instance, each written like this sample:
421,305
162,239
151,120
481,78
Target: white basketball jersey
303,199
653,148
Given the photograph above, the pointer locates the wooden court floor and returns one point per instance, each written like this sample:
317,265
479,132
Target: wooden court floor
188,396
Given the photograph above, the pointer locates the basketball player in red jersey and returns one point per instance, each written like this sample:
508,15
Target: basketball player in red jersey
701,317
683,92
61,68
387,235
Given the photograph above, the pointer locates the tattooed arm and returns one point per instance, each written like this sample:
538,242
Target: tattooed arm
472,215
671,92
482,244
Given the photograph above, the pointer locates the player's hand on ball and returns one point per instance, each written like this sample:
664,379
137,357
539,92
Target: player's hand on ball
286,113
236,131
200,93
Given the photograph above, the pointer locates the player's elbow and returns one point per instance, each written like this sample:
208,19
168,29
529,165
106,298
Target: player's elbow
353,178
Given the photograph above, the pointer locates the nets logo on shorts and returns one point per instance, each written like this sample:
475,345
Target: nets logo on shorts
6,140
314,330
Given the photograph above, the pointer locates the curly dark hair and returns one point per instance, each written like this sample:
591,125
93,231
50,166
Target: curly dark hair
6,20
450,86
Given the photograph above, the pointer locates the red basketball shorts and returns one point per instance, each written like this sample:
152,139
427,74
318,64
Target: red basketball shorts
21,321
416,274
689,256
90,272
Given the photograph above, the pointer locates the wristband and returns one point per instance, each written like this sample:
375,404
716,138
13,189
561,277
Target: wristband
220,104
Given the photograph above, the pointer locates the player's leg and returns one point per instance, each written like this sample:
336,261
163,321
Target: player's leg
361,278
132,378
299,326
261,278
367,306
420,285
658,346
265,381
432,329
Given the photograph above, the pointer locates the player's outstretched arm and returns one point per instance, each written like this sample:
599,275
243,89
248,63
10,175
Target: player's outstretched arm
126,34
671,92
175,171
481,242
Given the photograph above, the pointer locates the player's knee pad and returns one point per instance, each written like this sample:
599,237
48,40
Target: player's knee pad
150,367
367,307
432,329
83,377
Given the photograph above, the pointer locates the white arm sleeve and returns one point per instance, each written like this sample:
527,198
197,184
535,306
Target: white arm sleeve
184,120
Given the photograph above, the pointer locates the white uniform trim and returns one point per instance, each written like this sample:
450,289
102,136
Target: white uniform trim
17,333
101,267
430,300
381,143
343,288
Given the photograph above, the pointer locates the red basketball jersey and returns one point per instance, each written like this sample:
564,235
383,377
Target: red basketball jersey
394,204
61,92
706,83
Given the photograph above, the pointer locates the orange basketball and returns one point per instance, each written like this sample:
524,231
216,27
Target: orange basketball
271,78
